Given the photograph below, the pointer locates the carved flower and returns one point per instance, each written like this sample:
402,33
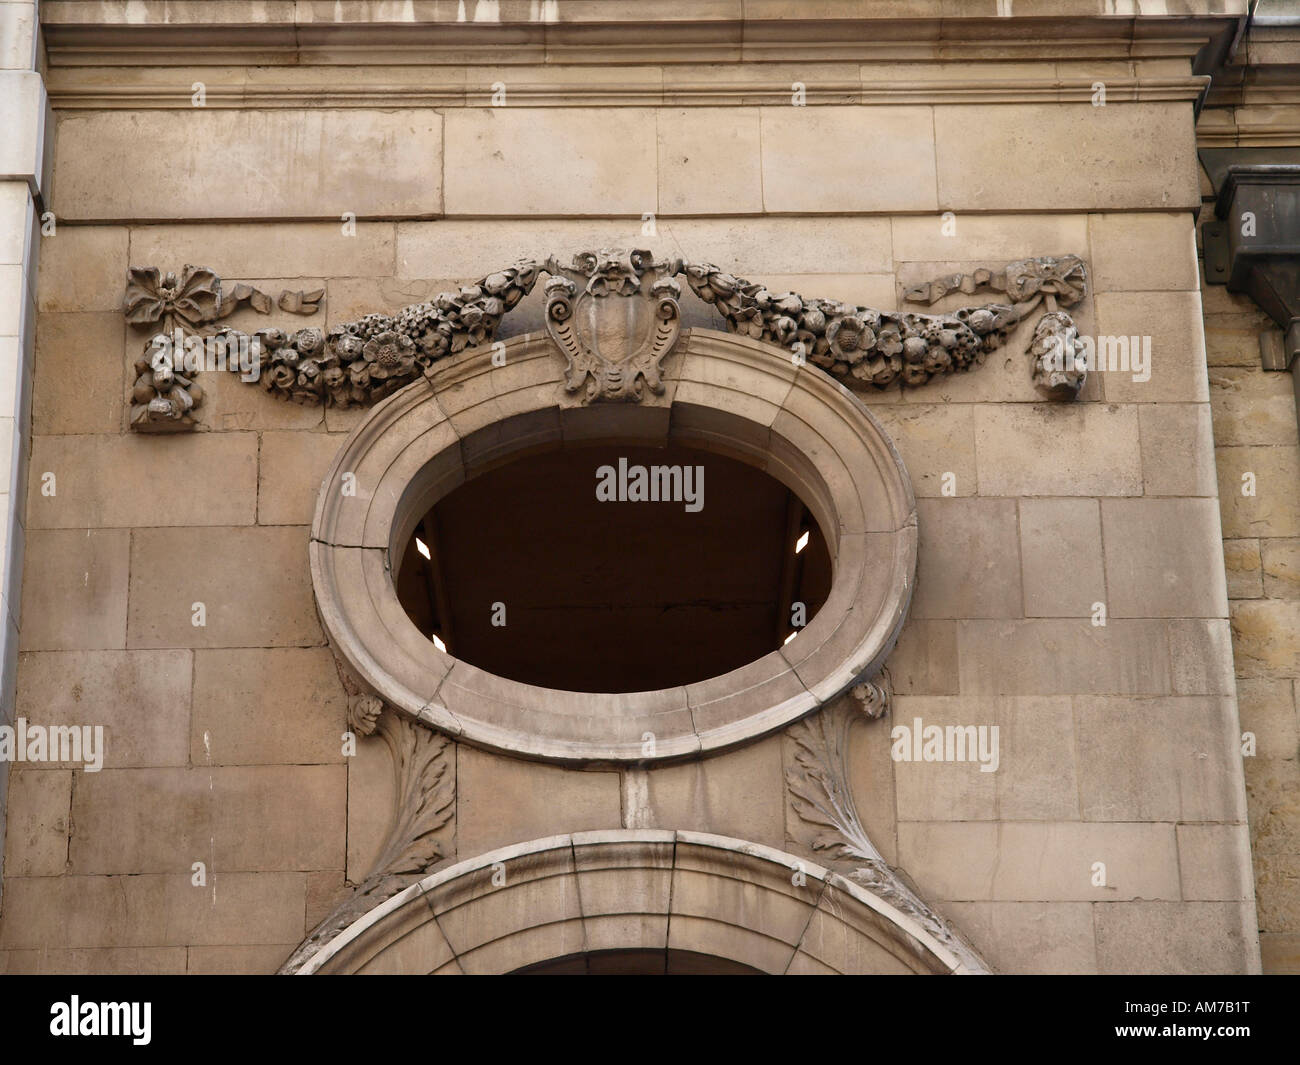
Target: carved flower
363,713
309,341
390,355
194,299
280,378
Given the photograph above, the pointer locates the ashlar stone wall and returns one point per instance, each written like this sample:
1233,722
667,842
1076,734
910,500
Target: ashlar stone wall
1119,742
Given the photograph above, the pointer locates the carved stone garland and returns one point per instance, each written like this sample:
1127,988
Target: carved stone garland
361,362
821,796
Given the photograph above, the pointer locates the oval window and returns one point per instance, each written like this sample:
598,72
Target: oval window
615,569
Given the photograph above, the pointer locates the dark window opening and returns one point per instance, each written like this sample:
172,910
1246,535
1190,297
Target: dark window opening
526,573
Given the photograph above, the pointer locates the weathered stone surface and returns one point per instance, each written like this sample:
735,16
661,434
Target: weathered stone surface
937,444
1267,707
964,569
708,161
1182,430
1060,556
1280,953
1041,156
151,910
1214,862
254,584
224,960
74,588
1273,797
1157,937
235,819
1273,509
1177,365
993,238
141,698
37,822
1063,657
248,163
1158,759
291,467
1047,862
886,165
1266,637
1143,252
610,154
496,801
1150,571
1058,450
131,480
372,805
79,373
924,661
1251,406
268,250
736,794
1244,569
267,706
102,961
1200,655
1281,565
1045,938
81,269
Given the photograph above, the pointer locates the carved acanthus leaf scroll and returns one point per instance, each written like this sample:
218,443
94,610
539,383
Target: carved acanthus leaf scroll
423,765
615,315
821,795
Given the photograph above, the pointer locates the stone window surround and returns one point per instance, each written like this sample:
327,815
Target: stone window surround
633,888
723,393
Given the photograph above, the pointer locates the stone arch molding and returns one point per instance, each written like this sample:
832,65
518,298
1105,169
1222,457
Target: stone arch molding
635,889
711,390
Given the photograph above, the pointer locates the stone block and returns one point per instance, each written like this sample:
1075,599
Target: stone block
740,794
964,566
1161,558
1061,557
1244,569
1058,450
496,801
254,583
1275,880
1280,953
1177,450
578,161
1065,657
234,819
151,910
75,589
1251,405
1029,938
990,238
291,468
80,374
141,698
372,805
1273,798
709,161
37,822
937,444
1267,707
274,163
1143,252
136,480
1174,759
1177,364
1187,938
224,960
97,961
1214,862
1030,157
281,705
1039,862
271,250
886,164
1269,474
83,268
1281,565
1200,656
924,661
231,403
1265,637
